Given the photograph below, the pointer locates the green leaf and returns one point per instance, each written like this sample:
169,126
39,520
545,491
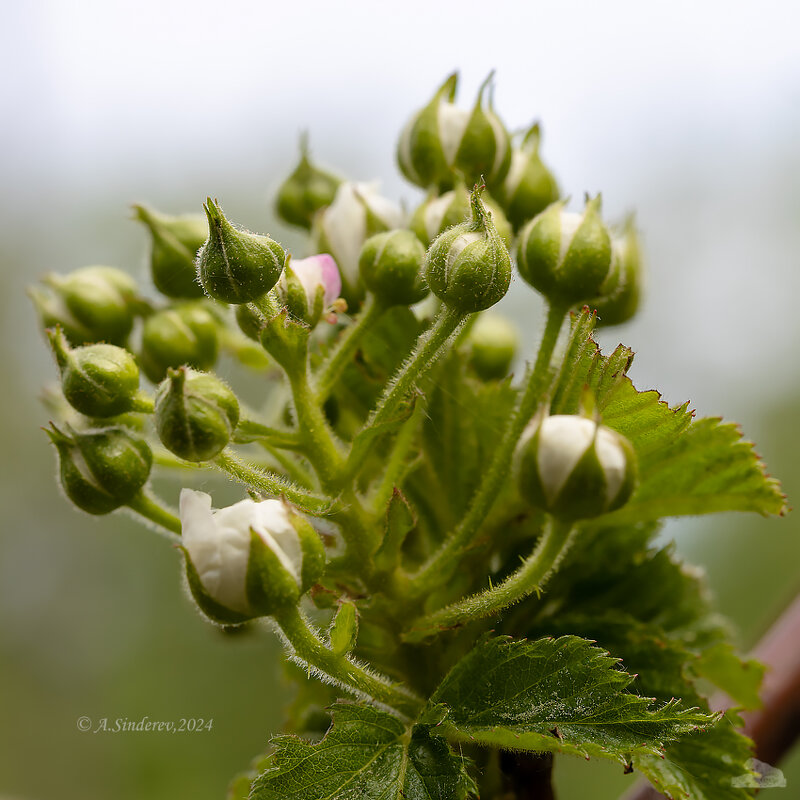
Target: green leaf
708,765
366,755
740,678
560,695
686,466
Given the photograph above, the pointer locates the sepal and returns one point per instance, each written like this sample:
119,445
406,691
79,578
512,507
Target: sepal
620,293
343,631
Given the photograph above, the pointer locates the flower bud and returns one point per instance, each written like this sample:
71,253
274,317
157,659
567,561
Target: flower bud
437,214
309,287
574,468
357,212
98,380
247,560
175,242
619,295
236,266
391,268
529,186
91,304
565,256
195,414
101,470
186,334
442,141
305,191
493,342
468,267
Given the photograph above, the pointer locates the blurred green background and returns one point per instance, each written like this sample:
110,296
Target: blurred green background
689,114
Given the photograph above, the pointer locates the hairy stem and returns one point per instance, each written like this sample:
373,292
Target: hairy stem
344,349
529,578
445,559
149,508
307,646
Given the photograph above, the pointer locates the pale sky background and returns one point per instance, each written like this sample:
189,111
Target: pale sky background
686,112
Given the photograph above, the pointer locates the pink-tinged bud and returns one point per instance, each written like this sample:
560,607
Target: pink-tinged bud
309,287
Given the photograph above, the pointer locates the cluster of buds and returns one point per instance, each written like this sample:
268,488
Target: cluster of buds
460,246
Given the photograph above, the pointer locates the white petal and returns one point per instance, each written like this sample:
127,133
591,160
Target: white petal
453,122
562,441
570,222
275,528
434,214
345,224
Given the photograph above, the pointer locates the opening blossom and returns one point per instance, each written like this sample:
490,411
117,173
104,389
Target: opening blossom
246,560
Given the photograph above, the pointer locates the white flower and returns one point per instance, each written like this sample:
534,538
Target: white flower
218,544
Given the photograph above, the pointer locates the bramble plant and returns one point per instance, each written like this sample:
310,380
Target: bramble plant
461,561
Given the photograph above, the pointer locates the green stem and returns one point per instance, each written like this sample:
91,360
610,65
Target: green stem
531,576
149,508
314,432
431,574
429,347
143,404
342,353
396,462
272,484
251,429
308,647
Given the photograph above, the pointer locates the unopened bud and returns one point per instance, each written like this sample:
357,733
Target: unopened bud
468,267
493,343
101,470
529,186
574,468
621,292
186,334
391,268
305,191
248,560
175,242
566,256
437,214
98,380
236,266
91,304
442,142
195,414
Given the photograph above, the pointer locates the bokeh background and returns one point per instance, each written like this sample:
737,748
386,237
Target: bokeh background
687,112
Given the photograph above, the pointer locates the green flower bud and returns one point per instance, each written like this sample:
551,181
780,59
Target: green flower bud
437,214
99,380
391,268
247,560
186,334
529,186
236,266
620,294
441,142
357,212
305,191
195,414
91,304
566,256
175,242
493,343
574,468
468,267
101,470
